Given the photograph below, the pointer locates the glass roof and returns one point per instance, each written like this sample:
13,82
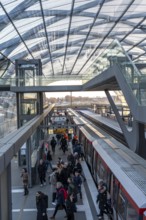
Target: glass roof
67,35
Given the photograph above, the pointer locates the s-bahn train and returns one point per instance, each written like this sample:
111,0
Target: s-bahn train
122,170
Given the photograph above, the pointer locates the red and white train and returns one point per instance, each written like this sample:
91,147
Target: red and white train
122,170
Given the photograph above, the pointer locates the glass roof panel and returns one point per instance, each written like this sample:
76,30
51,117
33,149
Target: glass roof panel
68,34
11,5
55,4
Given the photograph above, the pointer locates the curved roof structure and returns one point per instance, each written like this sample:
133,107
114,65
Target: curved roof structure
67,35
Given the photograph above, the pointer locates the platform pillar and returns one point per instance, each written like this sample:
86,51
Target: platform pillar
5,194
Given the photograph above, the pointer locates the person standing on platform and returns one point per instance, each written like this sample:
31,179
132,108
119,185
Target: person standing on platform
70,207
41,206
42,172
78,167
63,143
58,137
49,159
78,182
53,144
24,176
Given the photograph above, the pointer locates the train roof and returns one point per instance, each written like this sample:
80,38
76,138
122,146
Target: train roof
131,176
128,167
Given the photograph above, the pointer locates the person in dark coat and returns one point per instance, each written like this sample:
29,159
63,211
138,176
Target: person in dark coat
70,207
41,206
53,144
49,159
42,172
78,167
102,198
63,143
78,182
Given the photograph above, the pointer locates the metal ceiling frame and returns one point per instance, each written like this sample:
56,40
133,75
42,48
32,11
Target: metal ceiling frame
25,10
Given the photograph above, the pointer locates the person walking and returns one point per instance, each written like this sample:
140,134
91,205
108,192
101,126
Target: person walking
63,143
24,176
53,182
41,206
53,144
42,172
60,199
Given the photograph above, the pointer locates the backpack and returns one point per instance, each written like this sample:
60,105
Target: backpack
65,194
74,189
46,201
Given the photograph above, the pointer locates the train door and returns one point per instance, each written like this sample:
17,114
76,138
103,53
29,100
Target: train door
92,158
121,206
114,190
89,154
86,150
82,141
95,166
131,213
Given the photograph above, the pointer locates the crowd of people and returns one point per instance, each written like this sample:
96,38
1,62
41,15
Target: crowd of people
66,179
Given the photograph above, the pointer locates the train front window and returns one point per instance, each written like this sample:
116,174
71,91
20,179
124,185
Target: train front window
131,212
121,206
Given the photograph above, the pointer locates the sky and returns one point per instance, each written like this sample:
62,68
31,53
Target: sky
83,94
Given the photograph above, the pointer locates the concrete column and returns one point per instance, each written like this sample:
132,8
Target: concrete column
28,160
5,194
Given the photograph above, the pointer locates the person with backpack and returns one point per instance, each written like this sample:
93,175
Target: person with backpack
102,198
61,196
42,205
78,167
53,144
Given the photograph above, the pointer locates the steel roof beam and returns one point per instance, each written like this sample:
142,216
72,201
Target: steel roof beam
48,45
100,7
68,33
120,17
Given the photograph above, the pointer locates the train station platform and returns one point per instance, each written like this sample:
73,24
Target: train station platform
24,207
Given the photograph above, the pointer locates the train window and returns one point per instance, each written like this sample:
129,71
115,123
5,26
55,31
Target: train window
102,172
131,212
121,205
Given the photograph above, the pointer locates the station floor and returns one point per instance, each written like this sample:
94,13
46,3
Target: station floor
24,207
